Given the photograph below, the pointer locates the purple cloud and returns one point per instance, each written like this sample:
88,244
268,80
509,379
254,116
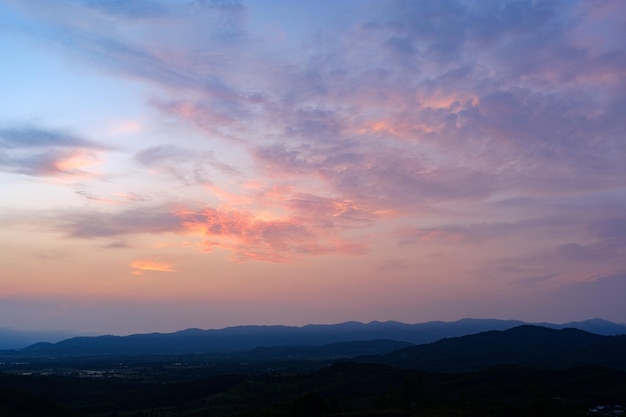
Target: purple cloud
411,105
35,151
90,225
190,167
535,137
35,137
139,9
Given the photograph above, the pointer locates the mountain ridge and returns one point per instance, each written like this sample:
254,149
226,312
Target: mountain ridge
242,338
526,345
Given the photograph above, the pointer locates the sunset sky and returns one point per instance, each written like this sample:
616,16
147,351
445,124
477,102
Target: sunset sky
173,164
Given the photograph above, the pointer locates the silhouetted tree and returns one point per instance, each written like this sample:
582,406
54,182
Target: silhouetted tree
310,404
412,389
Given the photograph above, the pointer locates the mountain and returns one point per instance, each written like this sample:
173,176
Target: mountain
16,339
329,351
243,338
526,345
597,326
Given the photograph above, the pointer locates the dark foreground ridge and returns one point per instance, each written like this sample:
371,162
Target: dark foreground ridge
525,345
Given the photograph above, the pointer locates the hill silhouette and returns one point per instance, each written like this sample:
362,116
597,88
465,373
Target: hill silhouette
242,338
525,345
245,338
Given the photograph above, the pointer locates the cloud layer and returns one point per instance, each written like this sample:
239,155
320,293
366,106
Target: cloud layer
455,138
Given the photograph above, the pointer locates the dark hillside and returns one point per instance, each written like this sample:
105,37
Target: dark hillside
524,345
340,389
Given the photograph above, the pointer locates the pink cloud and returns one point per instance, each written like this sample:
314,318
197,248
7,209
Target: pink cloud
330,212
76,162
252,238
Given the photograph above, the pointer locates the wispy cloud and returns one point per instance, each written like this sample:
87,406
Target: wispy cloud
35,137
140,9
444,87
36,151
94,224
186,165
485,231
536,280
142,266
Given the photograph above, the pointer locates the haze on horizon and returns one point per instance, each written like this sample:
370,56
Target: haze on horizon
175,164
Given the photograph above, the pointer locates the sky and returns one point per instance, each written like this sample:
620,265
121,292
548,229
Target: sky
189,163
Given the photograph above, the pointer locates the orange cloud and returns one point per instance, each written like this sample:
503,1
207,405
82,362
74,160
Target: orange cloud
76,161
140,266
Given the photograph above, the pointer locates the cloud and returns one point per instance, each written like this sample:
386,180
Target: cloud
534,137
484,231
86,192
83,191
393,265
569,237
575,252
229,115
411,235
329,212
262,237
412,105
36,151
606,242
415,102
141,266
51,163
137,197
93,224
379,176
197,38
188,166
537,279
35,137
253,238
138,9
611,229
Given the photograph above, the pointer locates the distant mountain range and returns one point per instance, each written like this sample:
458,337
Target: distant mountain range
18,339
388,335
